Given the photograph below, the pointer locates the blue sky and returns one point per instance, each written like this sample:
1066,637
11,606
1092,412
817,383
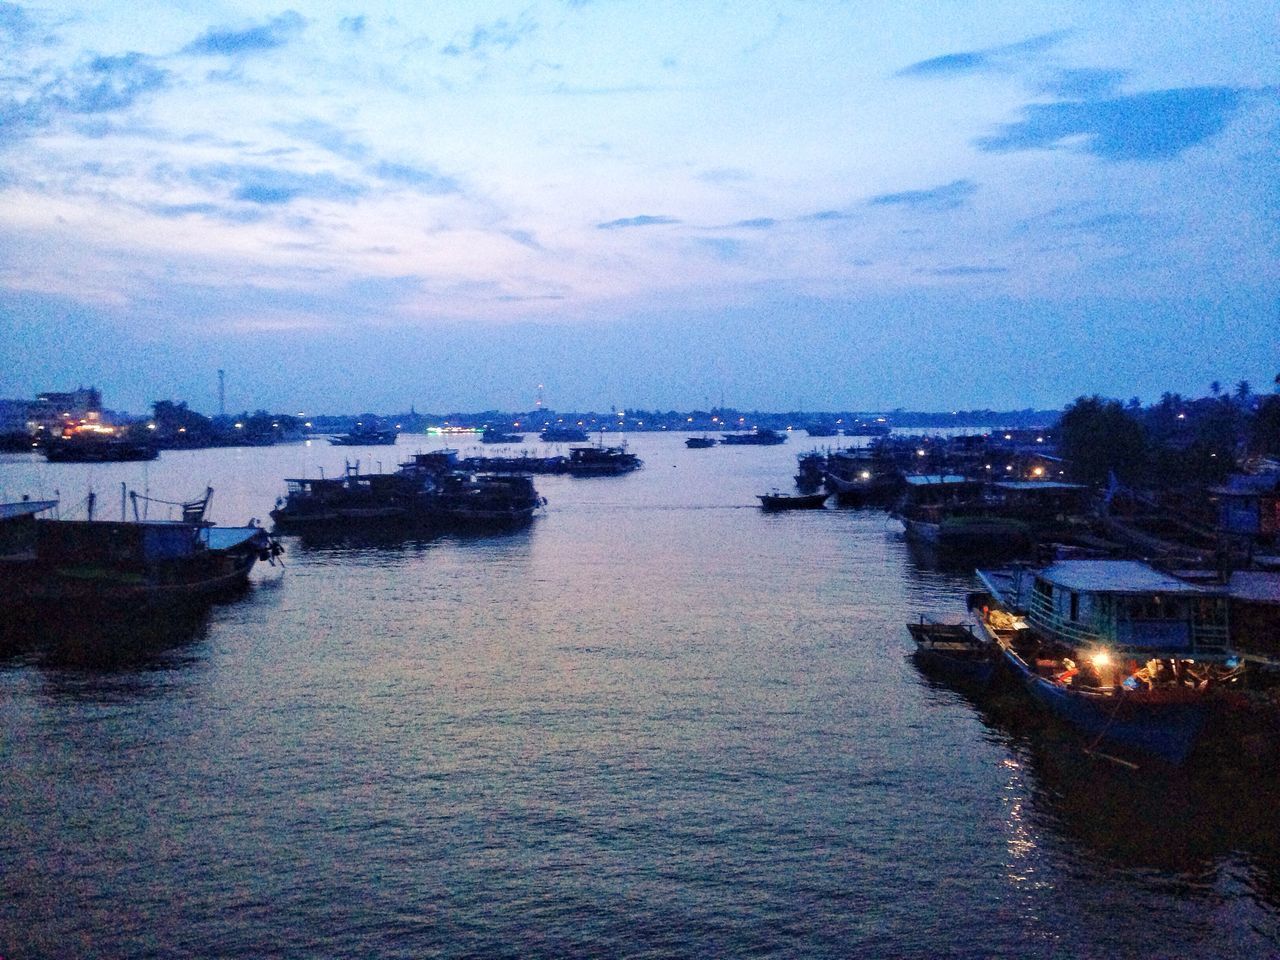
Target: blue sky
777,205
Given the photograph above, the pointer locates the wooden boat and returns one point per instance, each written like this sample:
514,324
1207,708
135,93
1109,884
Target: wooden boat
1129,656
465,502
953,652
792,501
93,568
352,500
700,443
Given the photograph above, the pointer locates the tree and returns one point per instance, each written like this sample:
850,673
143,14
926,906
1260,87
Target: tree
1100,437
1215,388
1243,390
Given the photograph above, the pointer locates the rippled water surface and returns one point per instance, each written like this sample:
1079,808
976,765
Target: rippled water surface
657,723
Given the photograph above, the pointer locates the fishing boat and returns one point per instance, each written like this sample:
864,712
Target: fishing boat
481,502
700,443
352,500
954,652
1132,657
601,461
791,501
762,437
947,512
91,568
563,435
365,438
495,435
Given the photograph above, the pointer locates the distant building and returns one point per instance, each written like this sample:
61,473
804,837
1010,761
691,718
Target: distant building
1249,506
52,409
15,417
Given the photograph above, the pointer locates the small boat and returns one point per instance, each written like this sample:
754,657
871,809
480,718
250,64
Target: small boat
700,443
792,501
350,501
953,652
763,437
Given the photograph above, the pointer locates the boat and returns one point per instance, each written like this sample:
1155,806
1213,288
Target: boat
352,500
494,435
788,501
468,502
58,568
1131,657
858,478
98,445
954,652
947,512
763,437
365,438
700,443
563,435
601,461
810,468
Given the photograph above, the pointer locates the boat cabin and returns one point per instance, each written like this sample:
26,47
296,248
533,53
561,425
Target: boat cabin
1127,605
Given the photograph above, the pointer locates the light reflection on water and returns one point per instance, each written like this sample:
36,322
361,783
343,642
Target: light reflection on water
656,722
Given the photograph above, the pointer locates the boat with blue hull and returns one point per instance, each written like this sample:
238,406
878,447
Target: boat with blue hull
1133,658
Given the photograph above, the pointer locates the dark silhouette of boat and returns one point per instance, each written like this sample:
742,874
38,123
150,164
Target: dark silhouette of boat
494,435
365,438
563,434
763,437
700,443
98,447
601,461
789,501
92,568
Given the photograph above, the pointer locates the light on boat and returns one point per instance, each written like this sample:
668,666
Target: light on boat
1038,472
865,474
919,453
1101,659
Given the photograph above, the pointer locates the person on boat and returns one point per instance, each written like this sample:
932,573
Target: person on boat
1069,672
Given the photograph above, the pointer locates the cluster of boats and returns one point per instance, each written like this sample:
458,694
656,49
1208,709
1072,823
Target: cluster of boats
1140,662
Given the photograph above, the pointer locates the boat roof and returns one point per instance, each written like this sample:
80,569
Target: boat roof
1037,485
1115,576
225,538
24,508
937,479
1255,586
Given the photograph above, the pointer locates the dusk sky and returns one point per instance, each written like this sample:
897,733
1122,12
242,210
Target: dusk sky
830,206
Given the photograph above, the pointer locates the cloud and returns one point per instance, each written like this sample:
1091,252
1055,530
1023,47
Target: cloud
105,84
644,220
947,197
274,33
14,22
722,248
499,35
965,270
980,61
758,223
724,175
353,25
326,136
825,216
1082,83
267,186
1157,125
427,181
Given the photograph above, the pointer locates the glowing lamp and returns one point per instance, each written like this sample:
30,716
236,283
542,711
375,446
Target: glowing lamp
1101,659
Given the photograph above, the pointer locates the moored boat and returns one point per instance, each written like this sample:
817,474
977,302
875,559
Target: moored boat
563,434
700,443
495,435
1129,656
365,438
95,568
953,652
601,461
763,437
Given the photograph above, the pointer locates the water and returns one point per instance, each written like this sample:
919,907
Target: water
657,723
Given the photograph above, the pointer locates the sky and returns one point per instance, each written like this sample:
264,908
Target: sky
772,206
